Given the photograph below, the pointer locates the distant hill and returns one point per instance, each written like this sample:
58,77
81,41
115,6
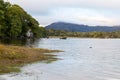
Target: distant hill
81,28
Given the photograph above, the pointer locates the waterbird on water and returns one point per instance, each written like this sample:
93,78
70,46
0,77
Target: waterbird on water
90,47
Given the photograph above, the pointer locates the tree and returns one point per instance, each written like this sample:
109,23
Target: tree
2,23
13,22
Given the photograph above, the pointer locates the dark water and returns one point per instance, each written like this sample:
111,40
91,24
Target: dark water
83,59
18,42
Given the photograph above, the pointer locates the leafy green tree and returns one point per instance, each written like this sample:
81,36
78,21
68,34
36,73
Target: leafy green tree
2,23
13,22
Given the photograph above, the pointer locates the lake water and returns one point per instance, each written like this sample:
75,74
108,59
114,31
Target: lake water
82,59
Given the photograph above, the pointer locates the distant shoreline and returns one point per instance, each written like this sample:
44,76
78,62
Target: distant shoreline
81,37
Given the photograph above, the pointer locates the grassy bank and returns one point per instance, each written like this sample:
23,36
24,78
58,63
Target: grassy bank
13,57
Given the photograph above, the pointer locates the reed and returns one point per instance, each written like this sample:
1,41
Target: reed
13,57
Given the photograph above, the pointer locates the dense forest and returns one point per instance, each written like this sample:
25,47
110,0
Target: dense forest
60,33
15,22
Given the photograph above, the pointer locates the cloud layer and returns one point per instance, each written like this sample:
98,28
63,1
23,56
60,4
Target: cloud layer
91,12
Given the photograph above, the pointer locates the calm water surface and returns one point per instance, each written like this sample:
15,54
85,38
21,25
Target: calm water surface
82,59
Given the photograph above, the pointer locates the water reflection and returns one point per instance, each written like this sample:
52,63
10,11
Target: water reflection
18,42
29,42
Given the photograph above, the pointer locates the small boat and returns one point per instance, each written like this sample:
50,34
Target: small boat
47,37
63,38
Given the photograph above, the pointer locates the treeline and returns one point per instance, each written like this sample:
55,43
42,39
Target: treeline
116,34
15,22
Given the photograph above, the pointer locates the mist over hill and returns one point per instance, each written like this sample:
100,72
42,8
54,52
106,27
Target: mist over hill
81,28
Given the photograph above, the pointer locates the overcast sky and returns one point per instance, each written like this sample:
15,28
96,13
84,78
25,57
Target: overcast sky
90,12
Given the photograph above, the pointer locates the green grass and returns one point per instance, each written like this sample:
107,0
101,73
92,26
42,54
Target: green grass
13,57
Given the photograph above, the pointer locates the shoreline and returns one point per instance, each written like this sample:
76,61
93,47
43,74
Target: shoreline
14,57
81,37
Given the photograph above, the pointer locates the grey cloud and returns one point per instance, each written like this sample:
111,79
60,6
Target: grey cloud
44,9
46,4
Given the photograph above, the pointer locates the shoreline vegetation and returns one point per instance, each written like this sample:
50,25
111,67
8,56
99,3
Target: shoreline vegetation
14,57
62,33
81,37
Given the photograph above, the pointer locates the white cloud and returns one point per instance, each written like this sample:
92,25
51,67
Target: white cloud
46,4
91,12
77,15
